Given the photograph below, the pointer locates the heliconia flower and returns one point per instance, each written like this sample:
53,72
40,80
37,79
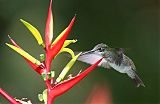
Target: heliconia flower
24,54
68,42
23,101
43,67
67,50
33,65
59,41
13,42
37,68
67,68
57,44
8,97
43,96
65,32
64,86
34,32
49,27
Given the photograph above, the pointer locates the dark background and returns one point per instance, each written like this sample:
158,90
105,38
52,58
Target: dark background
132,24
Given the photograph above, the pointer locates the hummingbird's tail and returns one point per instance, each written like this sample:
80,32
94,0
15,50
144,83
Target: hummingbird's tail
138,80
135,78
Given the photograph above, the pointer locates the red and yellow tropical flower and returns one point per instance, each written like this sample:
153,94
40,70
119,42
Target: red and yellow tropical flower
52,48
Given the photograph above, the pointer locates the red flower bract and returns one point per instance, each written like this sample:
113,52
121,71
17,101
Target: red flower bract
49,28
51,53
68,84
37,68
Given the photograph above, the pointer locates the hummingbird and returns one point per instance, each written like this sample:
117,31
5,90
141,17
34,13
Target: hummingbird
113,58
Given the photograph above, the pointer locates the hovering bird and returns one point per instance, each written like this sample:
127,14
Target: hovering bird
114,58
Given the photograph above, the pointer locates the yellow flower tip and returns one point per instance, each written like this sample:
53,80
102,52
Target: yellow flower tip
22,20
8,44
67,68
75,57
34,32
9,37
68,42
59,36
68,50
24,54
75,40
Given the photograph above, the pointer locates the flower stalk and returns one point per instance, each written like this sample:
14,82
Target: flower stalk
61,85
8,97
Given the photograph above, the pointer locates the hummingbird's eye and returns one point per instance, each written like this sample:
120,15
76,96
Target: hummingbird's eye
101,49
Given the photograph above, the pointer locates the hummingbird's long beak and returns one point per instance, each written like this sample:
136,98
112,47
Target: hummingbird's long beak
87,52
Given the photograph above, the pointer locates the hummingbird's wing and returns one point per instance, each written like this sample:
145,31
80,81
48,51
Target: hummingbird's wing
129,62
117,58
92,58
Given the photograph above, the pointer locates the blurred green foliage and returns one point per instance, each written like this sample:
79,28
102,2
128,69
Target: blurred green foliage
132,24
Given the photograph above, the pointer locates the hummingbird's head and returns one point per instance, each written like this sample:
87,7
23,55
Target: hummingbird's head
100,48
